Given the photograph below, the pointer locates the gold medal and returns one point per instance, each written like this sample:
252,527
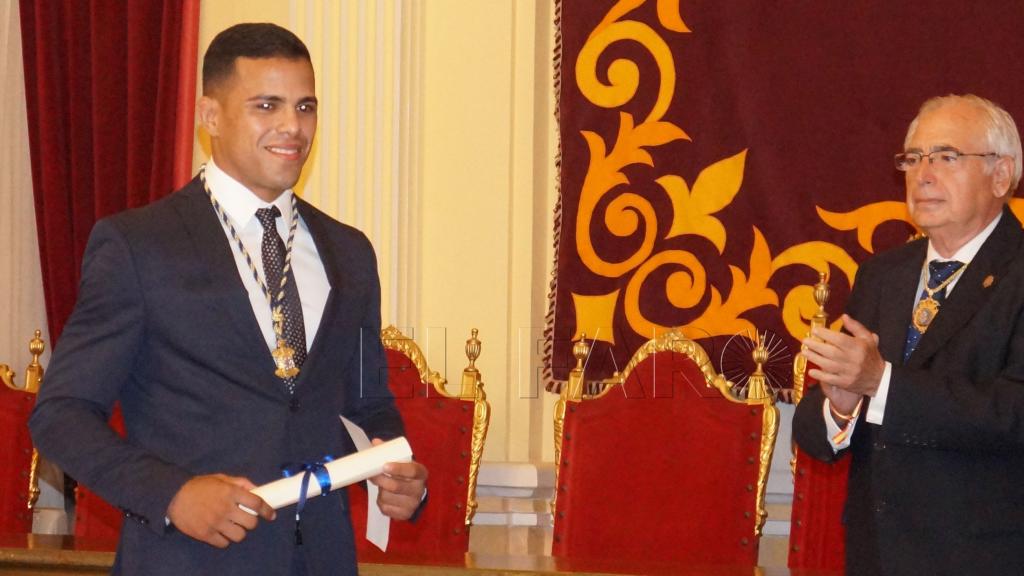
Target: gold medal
284,358
924,313
284,355
928,307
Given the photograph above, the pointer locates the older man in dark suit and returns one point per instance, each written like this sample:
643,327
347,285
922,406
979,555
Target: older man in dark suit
927,388
231,350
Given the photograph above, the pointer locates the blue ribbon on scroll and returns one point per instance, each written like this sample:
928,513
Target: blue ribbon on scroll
308,469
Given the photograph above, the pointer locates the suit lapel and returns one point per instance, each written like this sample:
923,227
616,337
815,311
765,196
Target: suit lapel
971,292
899,294
326,249
214,252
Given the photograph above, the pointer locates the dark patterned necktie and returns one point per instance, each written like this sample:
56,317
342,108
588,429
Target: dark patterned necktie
273,250
938,272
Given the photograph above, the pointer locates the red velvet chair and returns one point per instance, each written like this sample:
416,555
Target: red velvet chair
97,521
18,483
817,537
665,464
447,434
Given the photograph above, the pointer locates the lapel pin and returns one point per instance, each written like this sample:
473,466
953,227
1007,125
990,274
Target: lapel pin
989,281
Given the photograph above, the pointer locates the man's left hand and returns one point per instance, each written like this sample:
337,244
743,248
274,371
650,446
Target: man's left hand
401,487
851,361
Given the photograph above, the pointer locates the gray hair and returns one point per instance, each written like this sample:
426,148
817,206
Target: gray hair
1001,131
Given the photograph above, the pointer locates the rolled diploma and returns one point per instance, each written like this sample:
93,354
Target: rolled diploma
353,468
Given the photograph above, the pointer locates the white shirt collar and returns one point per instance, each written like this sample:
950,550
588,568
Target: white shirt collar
968,251
240,203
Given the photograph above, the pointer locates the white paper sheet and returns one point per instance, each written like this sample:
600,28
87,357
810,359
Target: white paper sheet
378,526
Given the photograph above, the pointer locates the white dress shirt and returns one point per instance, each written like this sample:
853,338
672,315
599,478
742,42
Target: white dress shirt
876,407
240,205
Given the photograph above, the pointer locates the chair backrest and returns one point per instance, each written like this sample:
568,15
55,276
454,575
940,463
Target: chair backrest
817,537
665,464
19,486
96,520
447,434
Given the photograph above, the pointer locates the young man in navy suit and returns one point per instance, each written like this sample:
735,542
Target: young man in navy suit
234,322
926,390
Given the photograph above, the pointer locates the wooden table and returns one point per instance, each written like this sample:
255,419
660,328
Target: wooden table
41,555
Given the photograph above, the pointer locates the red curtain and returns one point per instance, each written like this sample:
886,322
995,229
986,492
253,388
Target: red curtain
110,89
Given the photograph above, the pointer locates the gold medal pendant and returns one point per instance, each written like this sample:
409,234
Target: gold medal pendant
924,313
284,358
284,355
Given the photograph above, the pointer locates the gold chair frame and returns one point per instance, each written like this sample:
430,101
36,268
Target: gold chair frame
33,380
675,341
472,390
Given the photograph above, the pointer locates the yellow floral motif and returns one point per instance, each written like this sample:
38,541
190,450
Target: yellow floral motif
866,219
624,75
595,316
799,305
714,189
684,289
670,17
605,173
748,292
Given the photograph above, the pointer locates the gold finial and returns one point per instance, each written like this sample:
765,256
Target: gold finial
470,375
757,388
580,350
473,348
821,294
34,372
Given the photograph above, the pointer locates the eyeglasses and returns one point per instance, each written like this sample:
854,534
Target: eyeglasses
944,158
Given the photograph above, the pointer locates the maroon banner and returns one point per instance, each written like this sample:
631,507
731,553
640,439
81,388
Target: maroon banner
717,156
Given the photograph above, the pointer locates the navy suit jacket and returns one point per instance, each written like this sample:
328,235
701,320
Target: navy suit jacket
936,489
164,325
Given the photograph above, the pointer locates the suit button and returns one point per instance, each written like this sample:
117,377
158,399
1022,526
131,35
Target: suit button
294,404
879,445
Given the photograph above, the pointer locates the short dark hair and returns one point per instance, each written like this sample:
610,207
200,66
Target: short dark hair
252,40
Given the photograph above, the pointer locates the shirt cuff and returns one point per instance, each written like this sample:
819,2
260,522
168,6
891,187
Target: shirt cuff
876,407
833,430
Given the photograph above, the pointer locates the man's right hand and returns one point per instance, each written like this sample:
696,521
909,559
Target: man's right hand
207,509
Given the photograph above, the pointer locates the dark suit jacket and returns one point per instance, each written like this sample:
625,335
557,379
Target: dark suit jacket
163,323
937,488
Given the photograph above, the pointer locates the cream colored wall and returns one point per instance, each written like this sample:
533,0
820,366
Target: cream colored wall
487,195
22,307
476,140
